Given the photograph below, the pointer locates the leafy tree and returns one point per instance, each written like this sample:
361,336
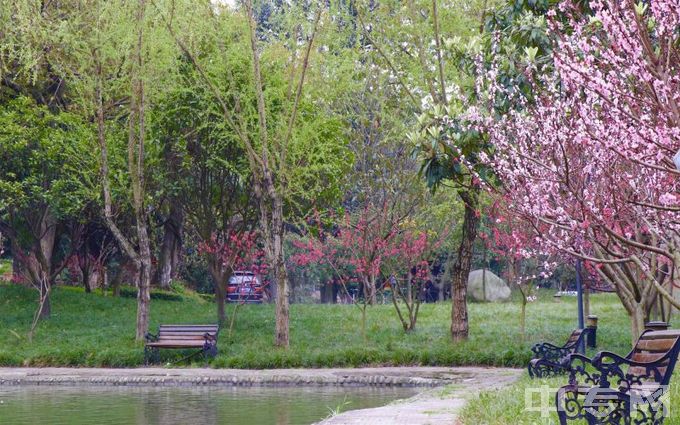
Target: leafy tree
212,174
293,148
589,161
414,42
43,155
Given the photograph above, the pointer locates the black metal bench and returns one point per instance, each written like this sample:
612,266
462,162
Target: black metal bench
610,389
548,359
203,337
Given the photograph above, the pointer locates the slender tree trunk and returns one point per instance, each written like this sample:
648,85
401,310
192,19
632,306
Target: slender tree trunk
272,223
323,293
282,302
461,267
336,289
409,290
115,284
104,279
165,265
219,280
40,260
372,291
46,305
363,322
86,277
144,292
637,322
142,257
395,303
18,267
484,276
523,317
172,228
170,247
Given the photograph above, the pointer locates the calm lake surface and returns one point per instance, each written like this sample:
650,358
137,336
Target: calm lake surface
57,405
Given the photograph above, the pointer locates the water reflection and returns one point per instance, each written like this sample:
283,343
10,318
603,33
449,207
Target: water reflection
57,405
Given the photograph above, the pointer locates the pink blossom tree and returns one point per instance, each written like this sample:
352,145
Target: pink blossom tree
373,249
516,244
588,162
354,251
410,259
227,252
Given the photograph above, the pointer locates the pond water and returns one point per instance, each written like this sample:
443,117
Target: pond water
57,405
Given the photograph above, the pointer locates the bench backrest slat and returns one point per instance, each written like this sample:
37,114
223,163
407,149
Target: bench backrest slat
574,339
651,347
177,332
574,336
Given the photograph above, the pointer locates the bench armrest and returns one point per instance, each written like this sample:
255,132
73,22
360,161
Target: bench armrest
210,337
550,352
580,370
149,337
609,366
599,360
542,346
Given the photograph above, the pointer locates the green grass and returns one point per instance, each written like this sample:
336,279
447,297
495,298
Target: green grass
96,330
507,406
5,266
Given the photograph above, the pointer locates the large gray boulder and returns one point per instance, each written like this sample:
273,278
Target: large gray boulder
496,289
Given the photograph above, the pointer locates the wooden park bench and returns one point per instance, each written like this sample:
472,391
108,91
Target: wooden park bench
203,337
549,359
610,389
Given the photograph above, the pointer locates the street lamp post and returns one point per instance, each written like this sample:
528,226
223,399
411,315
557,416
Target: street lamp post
579,295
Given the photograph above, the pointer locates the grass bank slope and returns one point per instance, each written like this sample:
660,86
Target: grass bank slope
96,330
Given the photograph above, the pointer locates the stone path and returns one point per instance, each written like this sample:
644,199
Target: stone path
439,406
445,388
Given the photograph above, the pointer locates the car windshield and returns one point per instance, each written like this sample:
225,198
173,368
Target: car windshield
243,278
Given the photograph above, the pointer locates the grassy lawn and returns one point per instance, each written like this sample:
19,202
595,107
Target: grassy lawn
95,330
5,266
507,406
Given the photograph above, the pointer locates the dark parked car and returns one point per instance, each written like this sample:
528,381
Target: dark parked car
245,287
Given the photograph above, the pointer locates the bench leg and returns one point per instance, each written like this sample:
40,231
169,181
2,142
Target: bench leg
210,351
569,407
151,355
541,368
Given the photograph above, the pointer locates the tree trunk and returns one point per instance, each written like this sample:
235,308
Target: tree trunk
461,267
171,246
363,322
637,322
323,293
523,317
104,279
136,157
85,270
40,260
46,309
219,281
335,290
144,292
18,268
271,221
282,304
484,276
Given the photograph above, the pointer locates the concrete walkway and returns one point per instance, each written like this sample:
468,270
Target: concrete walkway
439,406
445,389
